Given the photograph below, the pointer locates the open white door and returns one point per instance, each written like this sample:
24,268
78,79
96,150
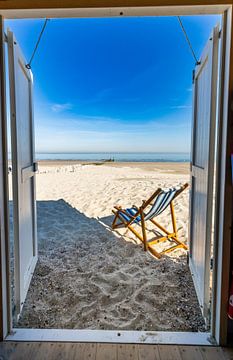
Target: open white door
202,169
23,170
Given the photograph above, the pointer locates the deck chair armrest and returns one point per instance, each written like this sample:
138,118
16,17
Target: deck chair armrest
124,212
132,217
117,207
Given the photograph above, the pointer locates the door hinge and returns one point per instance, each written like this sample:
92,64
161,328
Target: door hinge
193,76
35,166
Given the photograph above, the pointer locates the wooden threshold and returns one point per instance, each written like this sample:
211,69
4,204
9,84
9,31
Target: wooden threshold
96,351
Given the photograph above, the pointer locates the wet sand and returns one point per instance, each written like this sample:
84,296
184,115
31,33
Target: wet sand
171,167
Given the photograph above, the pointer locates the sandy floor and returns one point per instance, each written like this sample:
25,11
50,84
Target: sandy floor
87,275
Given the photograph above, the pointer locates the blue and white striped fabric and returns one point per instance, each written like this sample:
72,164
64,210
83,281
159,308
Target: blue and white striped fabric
161,202
130,212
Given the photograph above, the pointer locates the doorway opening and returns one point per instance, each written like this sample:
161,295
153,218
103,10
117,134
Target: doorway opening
94,225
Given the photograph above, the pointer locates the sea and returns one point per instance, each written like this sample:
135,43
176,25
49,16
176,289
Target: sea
117,156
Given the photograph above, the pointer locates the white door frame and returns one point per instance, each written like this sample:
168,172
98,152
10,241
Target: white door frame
23,173
209,57
223,210
224,186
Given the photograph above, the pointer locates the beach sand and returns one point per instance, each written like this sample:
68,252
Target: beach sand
91,277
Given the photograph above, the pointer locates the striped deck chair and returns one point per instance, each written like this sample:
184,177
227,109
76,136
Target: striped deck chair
148,211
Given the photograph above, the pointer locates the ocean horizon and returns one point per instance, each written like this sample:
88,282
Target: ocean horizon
117,156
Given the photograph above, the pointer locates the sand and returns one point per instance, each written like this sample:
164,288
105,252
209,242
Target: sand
91,277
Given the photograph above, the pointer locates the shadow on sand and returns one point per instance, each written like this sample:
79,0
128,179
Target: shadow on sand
90,277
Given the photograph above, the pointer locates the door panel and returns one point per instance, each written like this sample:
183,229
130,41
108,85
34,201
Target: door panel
23,174
202,169
200,153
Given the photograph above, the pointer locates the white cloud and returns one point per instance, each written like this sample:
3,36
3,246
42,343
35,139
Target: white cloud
55,140
181,107
96,124
87,133
57,108
80,133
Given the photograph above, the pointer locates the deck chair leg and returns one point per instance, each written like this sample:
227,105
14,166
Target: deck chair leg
173,218
127,225
114,221
143,231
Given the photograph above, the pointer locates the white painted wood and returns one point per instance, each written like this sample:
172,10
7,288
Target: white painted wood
223,215
5,303
114,11
23,176
202,169
110,336
28,172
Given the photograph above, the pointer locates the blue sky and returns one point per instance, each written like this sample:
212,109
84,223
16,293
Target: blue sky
120,84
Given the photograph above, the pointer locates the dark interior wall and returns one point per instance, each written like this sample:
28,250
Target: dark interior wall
44,4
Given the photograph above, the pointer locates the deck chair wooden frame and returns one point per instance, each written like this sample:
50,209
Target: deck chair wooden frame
139,213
